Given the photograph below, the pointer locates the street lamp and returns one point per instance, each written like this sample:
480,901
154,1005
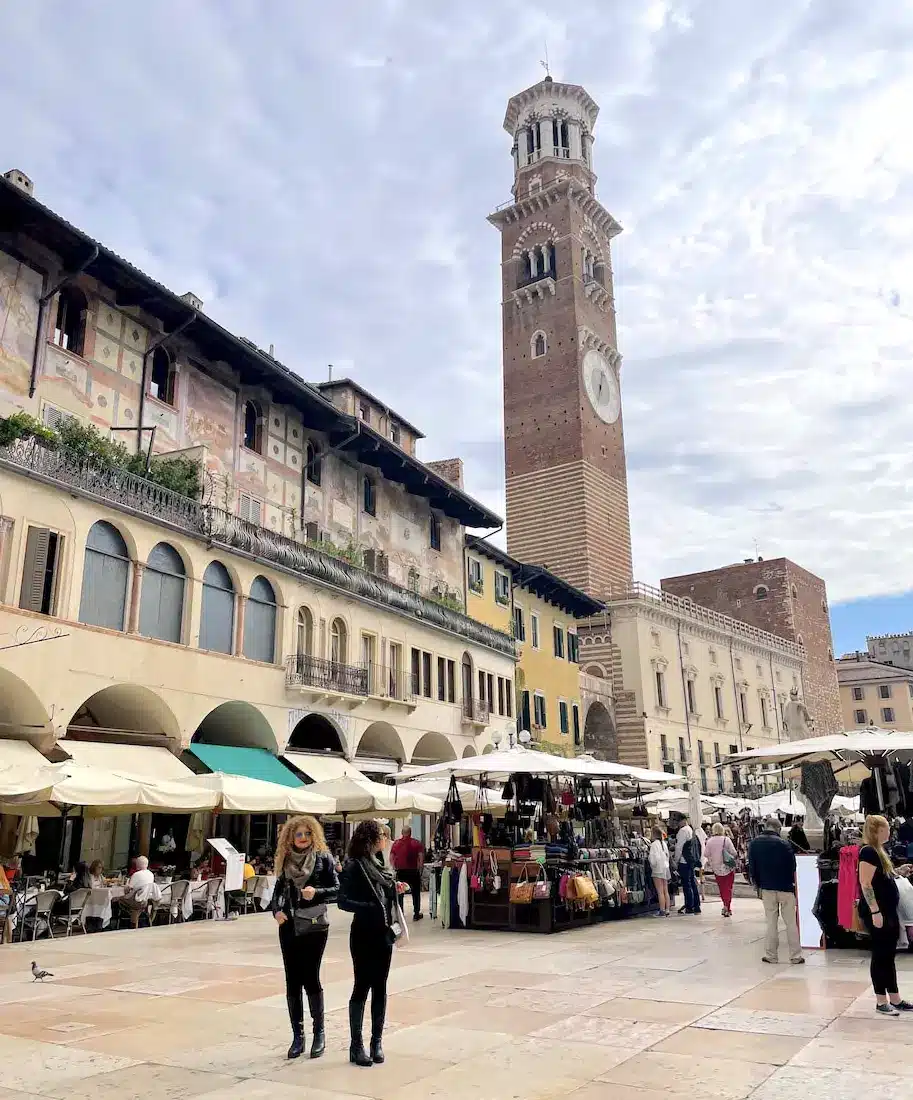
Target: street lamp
513,738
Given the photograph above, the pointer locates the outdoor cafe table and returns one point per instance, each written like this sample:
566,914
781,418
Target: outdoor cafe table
98,904
263,889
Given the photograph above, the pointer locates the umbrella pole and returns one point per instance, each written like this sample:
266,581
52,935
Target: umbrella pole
63,837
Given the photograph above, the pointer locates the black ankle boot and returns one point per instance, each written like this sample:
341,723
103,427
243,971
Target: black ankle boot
315,1004
357,1053
378,1012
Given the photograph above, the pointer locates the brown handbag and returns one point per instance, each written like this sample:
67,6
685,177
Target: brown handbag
521,891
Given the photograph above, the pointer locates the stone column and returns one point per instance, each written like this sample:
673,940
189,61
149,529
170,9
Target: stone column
547,136
574,138
240,601
143,834
136,592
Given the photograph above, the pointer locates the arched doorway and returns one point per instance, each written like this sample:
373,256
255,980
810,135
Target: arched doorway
433,748
22,714
237,724
469,751
599,735
316,733
381,739
127,709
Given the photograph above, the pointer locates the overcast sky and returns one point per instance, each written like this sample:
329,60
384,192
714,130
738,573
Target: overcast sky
321,174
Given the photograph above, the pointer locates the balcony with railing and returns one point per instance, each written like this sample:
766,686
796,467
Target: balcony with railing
115,487
317,677
391,685
476,712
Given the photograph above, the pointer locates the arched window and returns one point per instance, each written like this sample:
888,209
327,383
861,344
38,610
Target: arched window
253,427
313,462
794,592
70,326
304,632
105,576
761,592
260,622
538,345
161,608
339,642
161,382
800,640
217,613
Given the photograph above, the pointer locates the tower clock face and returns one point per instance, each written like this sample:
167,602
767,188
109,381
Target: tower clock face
601,386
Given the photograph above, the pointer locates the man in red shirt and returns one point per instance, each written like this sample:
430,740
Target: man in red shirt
408,858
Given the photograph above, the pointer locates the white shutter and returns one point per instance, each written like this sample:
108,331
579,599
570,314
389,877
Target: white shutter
249,508
53,417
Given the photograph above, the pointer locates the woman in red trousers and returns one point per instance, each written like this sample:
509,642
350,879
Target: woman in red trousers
720,856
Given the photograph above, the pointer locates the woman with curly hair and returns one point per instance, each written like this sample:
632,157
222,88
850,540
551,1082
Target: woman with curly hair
368,890
305,885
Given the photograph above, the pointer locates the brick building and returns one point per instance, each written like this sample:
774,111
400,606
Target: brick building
780,597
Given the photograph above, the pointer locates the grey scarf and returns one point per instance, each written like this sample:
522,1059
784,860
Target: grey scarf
382,882
299,866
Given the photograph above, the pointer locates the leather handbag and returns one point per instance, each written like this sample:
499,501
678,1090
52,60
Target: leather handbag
542,887
582,892
452,811
475,874
521,891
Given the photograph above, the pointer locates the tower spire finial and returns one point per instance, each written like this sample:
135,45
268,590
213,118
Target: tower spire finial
545,65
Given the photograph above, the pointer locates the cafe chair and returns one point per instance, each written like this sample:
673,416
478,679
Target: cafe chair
171,900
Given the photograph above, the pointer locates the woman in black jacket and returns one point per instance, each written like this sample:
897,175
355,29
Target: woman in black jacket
306,884
368,889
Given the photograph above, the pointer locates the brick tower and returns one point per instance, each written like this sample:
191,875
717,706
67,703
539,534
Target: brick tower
567,497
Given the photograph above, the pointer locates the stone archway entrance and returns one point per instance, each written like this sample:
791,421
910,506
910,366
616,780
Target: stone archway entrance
316,733
599,734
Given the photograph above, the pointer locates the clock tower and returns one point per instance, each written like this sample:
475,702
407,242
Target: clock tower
567,496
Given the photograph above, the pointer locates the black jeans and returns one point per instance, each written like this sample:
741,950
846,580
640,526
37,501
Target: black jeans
413,879
301,957
371,958
884,949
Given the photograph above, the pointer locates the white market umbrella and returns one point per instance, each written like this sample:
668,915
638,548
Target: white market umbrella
473,799
240,794
26,835
364,798
868,746
521,761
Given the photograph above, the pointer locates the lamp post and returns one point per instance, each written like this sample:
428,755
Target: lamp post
514,738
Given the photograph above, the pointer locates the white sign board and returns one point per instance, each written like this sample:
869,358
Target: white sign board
234,862
807,882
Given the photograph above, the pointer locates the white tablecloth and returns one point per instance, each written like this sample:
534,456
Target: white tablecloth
264,888
98,903
198,891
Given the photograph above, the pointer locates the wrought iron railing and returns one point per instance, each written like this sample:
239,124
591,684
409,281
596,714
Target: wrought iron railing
476,710
303,670
118,488
391,683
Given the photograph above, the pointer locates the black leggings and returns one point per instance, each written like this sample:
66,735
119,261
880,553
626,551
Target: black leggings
884,950
371,958
301,957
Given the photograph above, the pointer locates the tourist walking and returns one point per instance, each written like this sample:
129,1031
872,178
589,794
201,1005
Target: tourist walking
408,858
720,856
772,869
687,858
305,886
367,889
659,869
878,912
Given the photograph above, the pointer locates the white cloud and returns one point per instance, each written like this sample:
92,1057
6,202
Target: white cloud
321,177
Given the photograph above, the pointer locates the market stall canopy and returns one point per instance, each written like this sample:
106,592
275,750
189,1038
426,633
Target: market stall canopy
850,754
249,762
322,767
364,798
238,794
521,761
137,761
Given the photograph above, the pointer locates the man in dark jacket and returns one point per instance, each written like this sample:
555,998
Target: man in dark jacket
772,869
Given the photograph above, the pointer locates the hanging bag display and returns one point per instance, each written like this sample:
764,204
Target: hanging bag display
475,874
521,891
494,882
452,811
567,795
639,809
542,888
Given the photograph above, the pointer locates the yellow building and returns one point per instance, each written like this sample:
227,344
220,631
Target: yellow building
874,693
543,611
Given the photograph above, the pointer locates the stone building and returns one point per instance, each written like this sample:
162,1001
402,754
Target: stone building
778,596
894,649
567,495
311,597
875,693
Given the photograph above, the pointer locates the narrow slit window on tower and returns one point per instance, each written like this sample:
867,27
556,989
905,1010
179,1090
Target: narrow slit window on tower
539,345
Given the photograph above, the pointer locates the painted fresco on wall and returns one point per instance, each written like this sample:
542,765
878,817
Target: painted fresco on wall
20,289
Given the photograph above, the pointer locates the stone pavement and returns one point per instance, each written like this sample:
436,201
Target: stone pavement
642,1009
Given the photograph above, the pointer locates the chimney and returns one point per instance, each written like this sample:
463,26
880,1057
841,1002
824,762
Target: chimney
19,179
450,469
192,300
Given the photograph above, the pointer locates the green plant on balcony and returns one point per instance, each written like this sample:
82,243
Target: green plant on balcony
350,553
84,443
448,598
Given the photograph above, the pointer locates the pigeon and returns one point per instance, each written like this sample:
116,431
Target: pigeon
40,975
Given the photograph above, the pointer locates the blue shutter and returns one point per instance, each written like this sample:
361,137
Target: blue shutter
105,576
217,612
260,622
161,610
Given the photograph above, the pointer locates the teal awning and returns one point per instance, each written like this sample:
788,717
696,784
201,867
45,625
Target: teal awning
251,763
